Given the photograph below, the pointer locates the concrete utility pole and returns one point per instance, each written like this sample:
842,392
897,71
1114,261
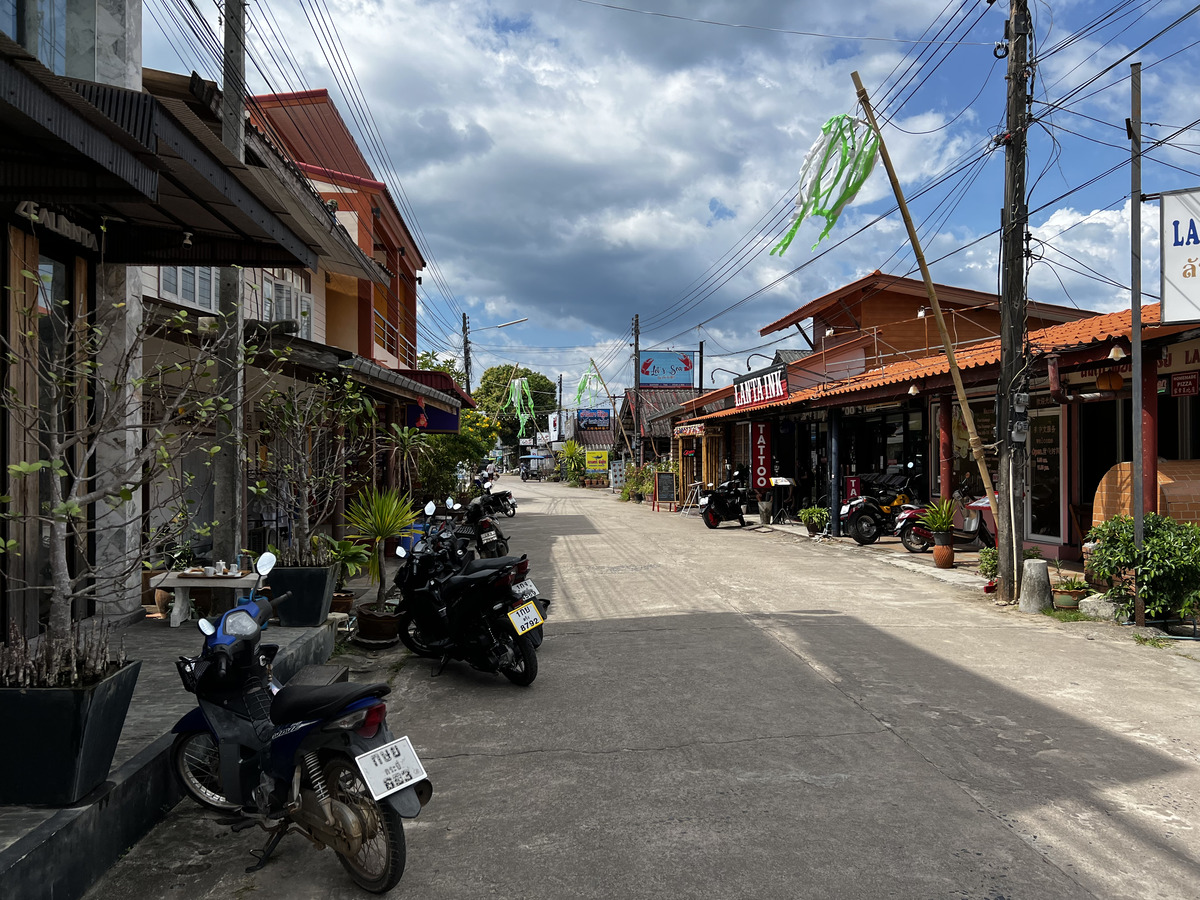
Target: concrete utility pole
466,352
1140,421
1012,391
700,366
637,389
229,465
561,429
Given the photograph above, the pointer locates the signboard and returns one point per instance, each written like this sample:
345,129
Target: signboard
1179,233
853,488
1185,384
664,487
526,442
595,460
666,367
594,420
689,430
766,386
552,427
760,455
430,419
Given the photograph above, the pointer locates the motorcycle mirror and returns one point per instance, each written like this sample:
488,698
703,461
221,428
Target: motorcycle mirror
430,507
710,484
487,485
910,465
401,552
449,503
457,506
207,627
265,563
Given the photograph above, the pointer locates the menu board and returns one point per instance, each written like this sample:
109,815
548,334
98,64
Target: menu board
664,487
1045,474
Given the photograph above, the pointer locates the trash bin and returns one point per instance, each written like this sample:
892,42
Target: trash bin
407,540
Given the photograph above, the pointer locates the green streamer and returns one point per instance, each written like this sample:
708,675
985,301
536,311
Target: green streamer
837,165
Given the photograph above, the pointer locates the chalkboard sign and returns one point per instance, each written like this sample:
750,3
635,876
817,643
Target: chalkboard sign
664,487
1045,487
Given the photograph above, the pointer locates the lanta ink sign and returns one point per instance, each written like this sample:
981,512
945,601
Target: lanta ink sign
760,455
594,420
762,387
666,367
1179,231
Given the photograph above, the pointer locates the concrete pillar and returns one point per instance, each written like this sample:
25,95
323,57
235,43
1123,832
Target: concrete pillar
1149,430
1035,586
945,446
118,539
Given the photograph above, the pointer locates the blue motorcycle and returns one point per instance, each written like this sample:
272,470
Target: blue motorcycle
316,760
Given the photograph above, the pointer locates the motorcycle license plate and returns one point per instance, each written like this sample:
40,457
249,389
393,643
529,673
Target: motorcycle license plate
487,537
525,618
524,590
390,768
704,501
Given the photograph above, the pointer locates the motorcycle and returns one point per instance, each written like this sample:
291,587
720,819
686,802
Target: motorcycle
725,503
440,554
498,502
916,538
874,512
490,542
316,760
481,613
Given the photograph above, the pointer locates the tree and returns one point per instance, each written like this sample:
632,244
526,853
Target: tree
492,397
429,360
438,465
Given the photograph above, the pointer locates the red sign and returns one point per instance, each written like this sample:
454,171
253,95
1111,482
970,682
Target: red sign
1185,384
760,455
853,487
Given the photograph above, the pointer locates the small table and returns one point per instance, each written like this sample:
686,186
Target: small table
182,583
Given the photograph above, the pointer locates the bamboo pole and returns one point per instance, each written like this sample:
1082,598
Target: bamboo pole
955,375
613,400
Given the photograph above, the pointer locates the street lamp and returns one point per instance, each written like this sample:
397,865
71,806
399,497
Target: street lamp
467,343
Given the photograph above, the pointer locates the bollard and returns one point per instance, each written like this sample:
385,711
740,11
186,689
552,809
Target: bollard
1035,586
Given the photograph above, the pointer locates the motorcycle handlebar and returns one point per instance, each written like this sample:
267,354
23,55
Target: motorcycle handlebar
280,600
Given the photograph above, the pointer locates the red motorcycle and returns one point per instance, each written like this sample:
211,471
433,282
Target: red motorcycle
974,532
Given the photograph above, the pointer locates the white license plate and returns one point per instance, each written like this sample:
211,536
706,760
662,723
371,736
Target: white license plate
704,501
524,590
525,618
390,768
487,537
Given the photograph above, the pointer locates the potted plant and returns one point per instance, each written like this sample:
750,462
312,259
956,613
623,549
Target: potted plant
375,516
814,517
348,559
1067,592
938,517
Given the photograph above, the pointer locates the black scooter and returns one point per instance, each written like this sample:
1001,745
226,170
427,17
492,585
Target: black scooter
725,503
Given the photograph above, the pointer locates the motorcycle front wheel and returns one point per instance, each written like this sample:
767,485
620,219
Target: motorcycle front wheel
710,517
411,637
912,541
863,528
525,668
379,863
195,761
509,509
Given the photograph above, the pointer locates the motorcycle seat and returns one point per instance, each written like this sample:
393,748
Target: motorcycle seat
489,565
297,702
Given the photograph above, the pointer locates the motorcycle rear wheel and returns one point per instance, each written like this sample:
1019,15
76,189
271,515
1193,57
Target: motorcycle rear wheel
525,669
912,541
863,528
509,509
195,762
710,517
411,637
379,863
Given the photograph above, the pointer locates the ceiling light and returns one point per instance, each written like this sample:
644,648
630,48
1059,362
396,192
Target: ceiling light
913,391
829,331
921,312
1117,353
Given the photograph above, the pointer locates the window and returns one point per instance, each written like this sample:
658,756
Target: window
306,318
188,294
170,280
204,286
268,297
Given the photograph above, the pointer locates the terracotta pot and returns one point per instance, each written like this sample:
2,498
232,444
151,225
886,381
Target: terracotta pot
343,602
943,549
377,627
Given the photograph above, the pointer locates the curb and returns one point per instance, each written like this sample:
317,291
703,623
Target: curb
47,862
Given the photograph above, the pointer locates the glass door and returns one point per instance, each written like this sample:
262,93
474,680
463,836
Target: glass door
1044,477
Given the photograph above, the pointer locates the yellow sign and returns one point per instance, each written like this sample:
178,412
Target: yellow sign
596,460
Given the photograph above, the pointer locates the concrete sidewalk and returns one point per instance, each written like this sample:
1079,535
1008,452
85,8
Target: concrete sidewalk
40,848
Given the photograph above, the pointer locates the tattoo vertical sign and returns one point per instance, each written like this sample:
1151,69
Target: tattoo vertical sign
760,455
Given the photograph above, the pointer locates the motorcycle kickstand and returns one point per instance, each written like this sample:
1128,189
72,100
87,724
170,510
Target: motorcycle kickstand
442,667
265,853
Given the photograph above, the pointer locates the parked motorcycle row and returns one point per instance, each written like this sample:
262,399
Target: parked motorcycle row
320,760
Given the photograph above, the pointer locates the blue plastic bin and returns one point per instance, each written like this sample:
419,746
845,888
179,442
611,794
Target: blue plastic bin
407,540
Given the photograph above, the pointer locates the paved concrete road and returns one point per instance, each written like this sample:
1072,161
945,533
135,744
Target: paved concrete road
735,713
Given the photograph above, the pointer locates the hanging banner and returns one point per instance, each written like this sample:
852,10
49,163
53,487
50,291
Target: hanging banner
760,455
666,367
1179,233
594,419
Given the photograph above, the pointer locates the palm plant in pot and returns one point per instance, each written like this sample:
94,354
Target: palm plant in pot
348,559
374,517
938,517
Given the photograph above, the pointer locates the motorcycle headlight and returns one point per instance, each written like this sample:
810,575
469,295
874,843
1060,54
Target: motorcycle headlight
704,501
240,624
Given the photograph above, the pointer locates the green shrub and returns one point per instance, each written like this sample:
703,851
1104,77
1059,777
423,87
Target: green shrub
989,562
1166,569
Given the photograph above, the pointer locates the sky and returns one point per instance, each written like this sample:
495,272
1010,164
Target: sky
577,162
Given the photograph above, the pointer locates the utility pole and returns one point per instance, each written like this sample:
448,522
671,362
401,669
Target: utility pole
561,429
700,367
229,465
1012,391
637,390
466,352
1140,424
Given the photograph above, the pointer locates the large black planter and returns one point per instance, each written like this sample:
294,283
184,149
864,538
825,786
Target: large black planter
312,594
58,743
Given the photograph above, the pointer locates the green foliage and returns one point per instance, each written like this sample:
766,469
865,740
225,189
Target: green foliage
816,516
374,516
437,466
574,460
1166,569
939,515
1066,615
1158,643
989,562
429,361
349,557
492,394
1073,583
